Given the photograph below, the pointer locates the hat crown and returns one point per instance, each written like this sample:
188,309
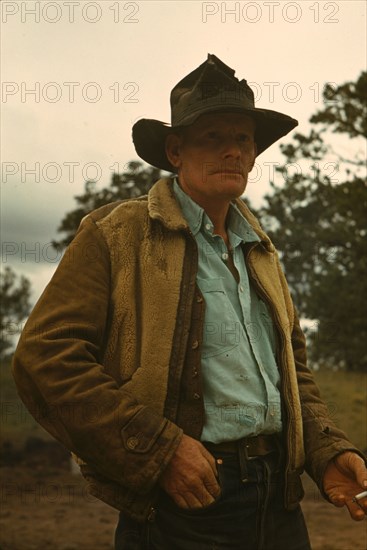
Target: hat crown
211,87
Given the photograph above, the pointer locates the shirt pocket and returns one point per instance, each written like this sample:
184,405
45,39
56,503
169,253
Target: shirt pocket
222,328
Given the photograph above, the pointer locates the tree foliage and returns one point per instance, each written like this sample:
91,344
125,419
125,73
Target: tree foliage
135,181
15,306
317,220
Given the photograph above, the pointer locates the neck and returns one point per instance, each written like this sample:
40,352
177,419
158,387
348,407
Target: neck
216,210
217,213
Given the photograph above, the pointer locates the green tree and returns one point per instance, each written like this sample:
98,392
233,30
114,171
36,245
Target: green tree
317,220
15,306
135,181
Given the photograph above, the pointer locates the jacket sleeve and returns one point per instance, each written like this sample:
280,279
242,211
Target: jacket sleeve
323,441
58,372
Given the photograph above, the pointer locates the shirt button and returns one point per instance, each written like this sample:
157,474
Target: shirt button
151,515
199,299
194,373
196,395
225,256
195,345
132,442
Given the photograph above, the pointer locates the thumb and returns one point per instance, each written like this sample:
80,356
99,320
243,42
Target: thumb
361,472
356,465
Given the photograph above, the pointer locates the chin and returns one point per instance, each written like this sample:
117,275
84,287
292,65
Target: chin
233,185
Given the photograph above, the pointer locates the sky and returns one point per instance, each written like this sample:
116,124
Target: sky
76,76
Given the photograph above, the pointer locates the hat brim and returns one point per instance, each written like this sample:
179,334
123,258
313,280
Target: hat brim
149,135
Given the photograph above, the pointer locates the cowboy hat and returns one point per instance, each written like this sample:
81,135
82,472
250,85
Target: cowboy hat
209,88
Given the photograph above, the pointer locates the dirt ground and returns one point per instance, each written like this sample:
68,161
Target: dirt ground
46,507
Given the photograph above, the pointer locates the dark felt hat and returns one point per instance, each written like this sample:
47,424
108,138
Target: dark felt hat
212,87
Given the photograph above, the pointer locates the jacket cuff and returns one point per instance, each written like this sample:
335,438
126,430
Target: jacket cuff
149,442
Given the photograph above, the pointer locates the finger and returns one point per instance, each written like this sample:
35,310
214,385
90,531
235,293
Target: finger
211,484
211,461
363,504
352,462
179,500
358,466
337,500
355,510
360,472
200,491
205,489
192,500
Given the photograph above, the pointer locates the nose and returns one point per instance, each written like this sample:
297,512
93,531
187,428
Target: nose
231,148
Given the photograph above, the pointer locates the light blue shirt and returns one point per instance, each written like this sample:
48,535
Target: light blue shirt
239,372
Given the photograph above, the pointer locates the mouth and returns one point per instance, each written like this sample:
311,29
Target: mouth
231,172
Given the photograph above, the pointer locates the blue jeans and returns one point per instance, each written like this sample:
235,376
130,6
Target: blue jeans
247,516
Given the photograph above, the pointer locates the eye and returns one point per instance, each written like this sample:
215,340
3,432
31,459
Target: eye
213,134
242,137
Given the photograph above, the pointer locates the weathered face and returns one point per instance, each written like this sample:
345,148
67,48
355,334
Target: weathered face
214,156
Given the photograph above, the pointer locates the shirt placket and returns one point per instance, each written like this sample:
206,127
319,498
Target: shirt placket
251,325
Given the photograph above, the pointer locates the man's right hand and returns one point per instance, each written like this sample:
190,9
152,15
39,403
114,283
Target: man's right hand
191,476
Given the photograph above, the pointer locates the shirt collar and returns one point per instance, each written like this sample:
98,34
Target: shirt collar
239,228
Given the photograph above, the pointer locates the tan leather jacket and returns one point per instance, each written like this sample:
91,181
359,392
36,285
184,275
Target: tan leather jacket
103,362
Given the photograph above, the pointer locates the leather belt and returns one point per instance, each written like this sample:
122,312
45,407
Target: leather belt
252,447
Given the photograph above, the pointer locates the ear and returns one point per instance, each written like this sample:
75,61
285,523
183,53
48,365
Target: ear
173,146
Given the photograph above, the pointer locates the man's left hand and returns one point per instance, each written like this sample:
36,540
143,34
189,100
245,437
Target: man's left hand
345,477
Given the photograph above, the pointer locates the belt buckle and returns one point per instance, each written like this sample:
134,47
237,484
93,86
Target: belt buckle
244,458
246,452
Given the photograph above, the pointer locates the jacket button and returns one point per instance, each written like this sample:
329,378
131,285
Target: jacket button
196,395
195,345
132,442
152,514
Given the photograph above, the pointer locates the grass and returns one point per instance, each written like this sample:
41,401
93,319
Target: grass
16,423
346,396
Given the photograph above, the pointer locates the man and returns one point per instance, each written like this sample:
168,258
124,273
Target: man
166,353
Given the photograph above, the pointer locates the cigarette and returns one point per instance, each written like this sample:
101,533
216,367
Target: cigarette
361,495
